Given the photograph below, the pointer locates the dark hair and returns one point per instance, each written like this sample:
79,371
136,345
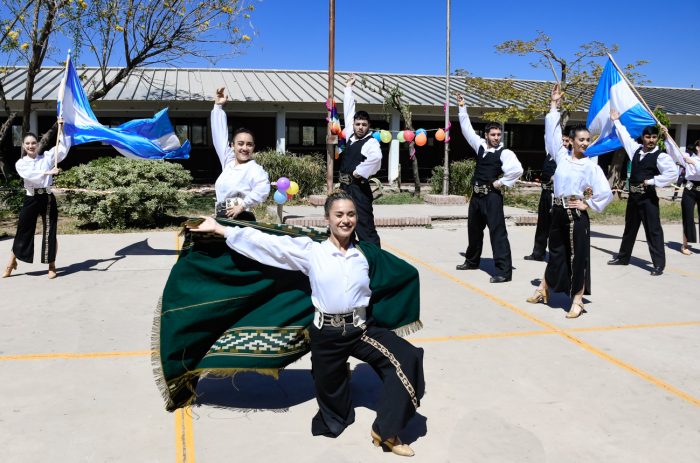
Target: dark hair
240,131
337,195
577,128
492,125
697,143
30,134
362,115
650,130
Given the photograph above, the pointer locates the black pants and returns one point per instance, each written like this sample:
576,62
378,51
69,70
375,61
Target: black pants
487,210
244,215
690,201
43,205
398,363
361,194
544,222
569,266
643,209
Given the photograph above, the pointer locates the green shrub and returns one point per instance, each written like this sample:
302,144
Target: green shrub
11,196
309,171
141,192
461,173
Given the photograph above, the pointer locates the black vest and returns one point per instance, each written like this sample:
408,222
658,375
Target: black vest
488,168
352,155
644,169
548,168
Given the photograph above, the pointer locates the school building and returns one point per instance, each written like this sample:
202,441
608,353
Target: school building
286,110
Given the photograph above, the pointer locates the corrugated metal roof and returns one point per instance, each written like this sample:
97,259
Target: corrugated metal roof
287,86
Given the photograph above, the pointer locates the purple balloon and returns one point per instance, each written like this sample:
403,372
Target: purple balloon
282,184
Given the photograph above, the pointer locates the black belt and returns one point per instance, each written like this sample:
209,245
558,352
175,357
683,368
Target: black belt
564,201
347,179
692,187
40,191
548,186
639,189
482,189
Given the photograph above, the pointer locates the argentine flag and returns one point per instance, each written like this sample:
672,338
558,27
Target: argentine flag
138,139
613,92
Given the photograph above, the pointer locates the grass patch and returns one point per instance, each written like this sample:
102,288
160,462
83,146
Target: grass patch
614,213
399,198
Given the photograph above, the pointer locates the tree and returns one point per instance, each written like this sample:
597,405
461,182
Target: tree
124,35
394,99
577,75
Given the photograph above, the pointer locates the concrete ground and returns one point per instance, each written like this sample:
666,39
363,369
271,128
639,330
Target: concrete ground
506,381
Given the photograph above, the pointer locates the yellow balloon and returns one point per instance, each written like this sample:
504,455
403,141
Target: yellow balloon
385,136
293,188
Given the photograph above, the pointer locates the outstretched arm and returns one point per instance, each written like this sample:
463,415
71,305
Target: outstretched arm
349,106
282,252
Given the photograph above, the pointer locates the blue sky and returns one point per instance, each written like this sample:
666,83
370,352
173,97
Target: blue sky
408,36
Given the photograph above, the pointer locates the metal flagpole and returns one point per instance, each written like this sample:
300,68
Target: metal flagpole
331,139
446,167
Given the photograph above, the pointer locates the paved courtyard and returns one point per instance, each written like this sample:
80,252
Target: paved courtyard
506,381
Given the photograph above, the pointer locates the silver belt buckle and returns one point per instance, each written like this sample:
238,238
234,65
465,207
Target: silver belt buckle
337,321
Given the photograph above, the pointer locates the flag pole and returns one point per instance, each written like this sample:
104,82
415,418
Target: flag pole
61,94
668,135
633,89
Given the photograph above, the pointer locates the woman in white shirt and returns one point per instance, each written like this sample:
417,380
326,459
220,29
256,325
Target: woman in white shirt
37,170
243,183
338,273
691,193
568,269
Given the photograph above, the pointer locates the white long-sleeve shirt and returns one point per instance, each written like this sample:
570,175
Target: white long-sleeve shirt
247,180
33,170
512,169
339,281
573,176
371,149
692,170
667,167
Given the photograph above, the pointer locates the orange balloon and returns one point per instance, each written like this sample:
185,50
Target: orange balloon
421,139
440,135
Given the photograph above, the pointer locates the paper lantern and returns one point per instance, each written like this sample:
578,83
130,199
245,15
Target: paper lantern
293,188
377,136
440,135
399,137
385,136
282,183
421,139
408,135
280,197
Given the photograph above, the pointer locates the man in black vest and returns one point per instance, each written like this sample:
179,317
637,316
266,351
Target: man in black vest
361,159
544,209
496,167
651,169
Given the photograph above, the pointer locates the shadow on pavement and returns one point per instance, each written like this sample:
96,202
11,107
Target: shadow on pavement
142,248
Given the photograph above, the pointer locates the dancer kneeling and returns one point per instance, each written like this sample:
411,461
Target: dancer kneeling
348,281
568,269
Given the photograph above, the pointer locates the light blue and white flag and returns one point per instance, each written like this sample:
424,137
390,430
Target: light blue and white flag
138,139
613,92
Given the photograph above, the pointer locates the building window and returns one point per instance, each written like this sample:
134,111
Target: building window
16,136
308,135
293,133
199,134
182,132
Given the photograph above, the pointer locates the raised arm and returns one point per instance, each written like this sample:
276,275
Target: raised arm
474,140
219,129
282,252
349,106
628,142
552,128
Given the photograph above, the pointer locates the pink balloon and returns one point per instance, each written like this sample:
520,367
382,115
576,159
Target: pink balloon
408,135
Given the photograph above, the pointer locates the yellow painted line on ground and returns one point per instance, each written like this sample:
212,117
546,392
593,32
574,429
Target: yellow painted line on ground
179,436
75,355
683,272
579,342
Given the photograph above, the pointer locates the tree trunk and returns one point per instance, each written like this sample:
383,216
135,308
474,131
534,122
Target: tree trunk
416,175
